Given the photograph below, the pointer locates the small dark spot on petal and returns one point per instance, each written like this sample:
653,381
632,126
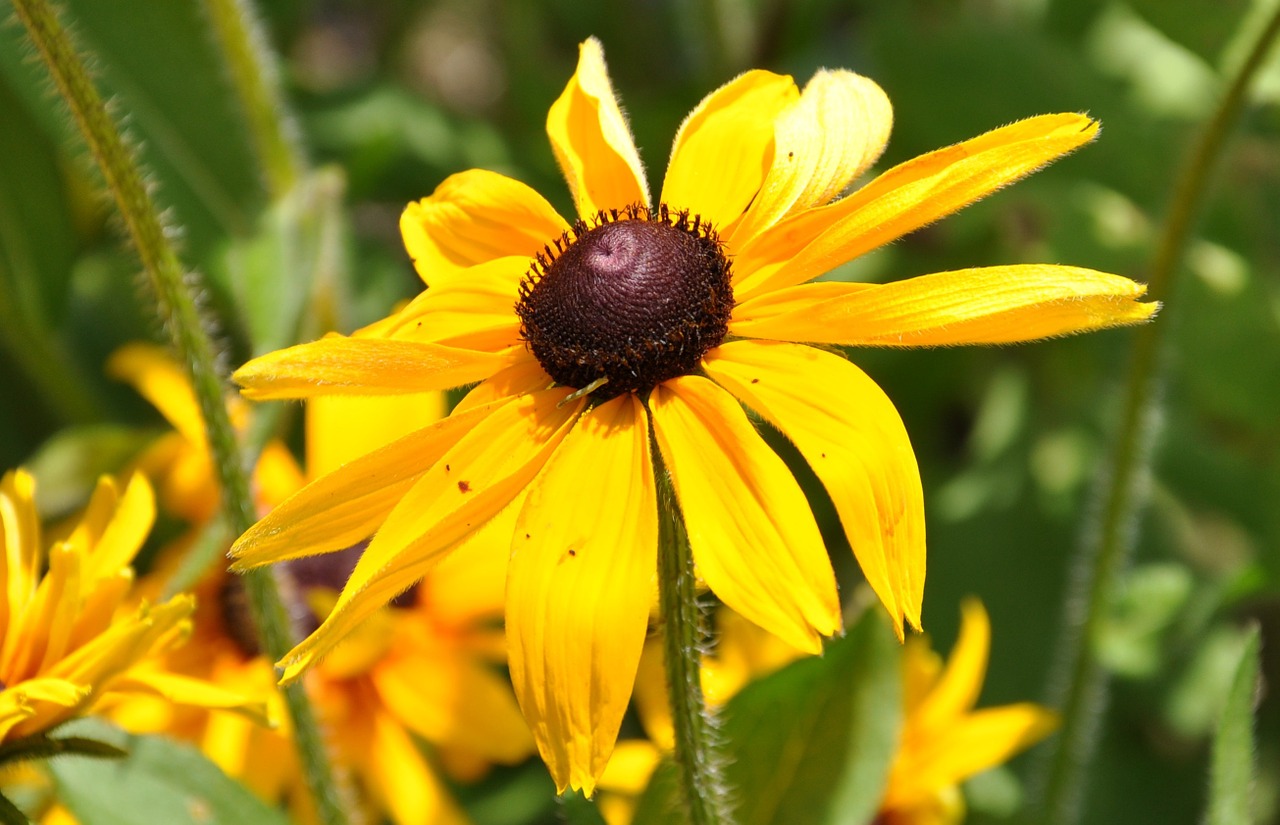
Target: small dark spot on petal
572,552
824,455
790,155
526,535
464,486
755,380
447,468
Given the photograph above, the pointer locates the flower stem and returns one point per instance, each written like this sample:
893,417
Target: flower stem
695,753
173,291
1106,549
256,81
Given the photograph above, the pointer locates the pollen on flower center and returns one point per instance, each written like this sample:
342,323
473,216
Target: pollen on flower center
635,298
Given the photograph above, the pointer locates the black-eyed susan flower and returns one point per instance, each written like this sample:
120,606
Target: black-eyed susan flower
647,325
424,667
71,639
944,740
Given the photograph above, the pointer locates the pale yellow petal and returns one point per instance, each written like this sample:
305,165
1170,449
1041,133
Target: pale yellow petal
127,529
400,779
524,375
989,305
346,506
753,537
970,745
158,377
903,199
582,575
472,218
850,434
454,702
178,689
957,689
460,492
724,148
363,366
343,428
592,141
832,135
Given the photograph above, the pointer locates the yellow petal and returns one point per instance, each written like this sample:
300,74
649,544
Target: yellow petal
337,365
400,779
343,428
35,705
523,376
581,578
158,378
832,135
850,434
125,532
451,701
989,305
753,537
469,587
475,309
472,218
459,493
592,141
970,745
723,149
184,690
904,199
958,687
346,506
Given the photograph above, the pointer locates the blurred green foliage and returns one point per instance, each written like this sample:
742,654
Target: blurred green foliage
395,95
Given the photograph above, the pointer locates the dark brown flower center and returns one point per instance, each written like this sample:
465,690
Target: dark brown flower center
633,299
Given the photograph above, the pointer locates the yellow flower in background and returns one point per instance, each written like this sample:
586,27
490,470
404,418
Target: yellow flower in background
944,740
69,643
650,324
425,667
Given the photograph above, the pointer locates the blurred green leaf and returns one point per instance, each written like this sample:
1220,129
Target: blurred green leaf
68,465
1203,28
578,810
811,743
159,781
9,813
1232,774
157,64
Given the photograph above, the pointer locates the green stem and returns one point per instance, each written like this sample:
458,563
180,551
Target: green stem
173,292
1106,550
256,81
695,753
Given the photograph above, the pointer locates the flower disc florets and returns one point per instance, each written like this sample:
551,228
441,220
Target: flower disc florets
636,297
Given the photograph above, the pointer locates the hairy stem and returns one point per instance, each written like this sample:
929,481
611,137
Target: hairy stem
1105,551
695,753
256,81
173,292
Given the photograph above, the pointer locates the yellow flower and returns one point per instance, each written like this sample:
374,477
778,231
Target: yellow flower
944,740
421,669
648,326
67,645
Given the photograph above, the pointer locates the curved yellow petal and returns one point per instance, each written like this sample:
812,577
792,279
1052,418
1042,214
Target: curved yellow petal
125,532
469,587
904,199
753,537
592,141
346,506
523,376
460,492
157,377
582,575
832,135
724,148
957,688
472,218
451,701
341,428
178,689
399,777
850,434
987,305
337,365
967,747
475,310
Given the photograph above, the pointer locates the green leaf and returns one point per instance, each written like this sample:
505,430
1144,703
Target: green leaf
811,743
9,813
1232,772
68,465
159,781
